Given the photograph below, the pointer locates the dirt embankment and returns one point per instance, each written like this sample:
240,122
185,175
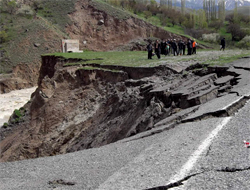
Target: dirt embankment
104,31
76,108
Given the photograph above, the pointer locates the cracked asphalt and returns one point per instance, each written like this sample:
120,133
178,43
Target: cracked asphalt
151,161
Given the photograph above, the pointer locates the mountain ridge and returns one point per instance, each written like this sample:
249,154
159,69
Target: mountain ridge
198,4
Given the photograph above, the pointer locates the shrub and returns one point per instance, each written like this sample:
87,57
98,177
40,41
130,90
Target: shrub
3,36
217,24
236,31
213,37
244,43
5,125
25,11
196,33
147,14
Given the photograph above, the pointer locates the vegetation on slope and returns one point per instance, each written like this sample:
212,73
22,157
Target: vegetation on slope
139,58
234,26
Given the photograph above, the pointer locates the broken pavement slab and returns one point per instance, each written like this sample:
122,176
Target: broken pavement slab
214,106
243,63
223,80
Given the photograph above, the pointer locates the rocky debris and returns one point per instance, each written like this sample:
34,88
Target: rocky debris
75,108
101,22
37,44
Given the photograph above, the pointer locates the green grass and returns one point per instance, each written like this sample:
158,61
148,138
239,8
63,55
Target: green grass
125,58
222,60
57,12
139,58
223,32
175,29
98,68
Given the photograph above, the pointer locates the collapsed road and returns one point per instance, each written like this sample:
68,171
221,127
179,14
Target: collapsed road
194,140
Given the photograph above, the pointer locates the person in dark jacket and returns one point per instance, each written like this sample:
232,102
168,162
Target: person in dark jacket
150,50
180,46
223,44
157,47
184,47
163,47
174,46
189,46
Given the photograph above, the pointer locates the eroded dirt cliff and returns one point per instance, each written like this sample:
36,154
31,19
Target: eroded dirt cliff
80,107
22,76
105,29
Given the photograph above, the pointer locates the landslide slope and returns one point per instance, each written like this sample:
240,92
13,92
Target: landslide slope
80,105
97,25
77,108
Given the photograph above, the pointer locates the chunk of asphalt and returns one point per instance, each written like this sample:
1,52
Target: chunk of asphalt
213,106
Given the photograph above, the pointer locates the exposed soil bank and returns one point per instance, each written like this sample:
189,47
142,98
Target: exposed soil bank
75,108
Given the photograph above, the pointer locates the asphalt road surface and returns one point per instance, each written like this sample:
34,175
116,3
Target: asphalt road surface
205,154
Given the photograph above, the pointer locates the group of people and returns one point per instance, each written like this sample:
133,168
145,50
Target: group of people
171,46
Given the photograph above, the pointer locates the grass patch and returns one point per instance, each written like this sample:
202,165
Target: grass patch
125,58
176,29
110,10
222,60
139,58
57,12
98,68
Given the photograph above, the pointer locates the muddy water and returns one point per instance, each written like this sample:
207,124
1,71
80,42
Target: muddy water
13,100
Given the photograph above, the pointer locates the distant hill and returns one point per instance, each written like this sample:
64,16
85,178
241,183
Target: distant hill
242,10
198,4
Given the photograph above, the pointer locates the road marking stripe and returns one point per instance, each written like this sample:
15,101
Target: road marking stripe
232,103
186,168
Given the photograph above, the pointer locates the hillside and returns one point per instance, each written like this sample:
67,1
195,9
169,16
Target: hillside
37,28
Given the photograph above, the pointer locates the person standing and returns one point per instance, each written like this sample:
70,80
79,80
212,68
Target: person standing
184,47
180,46
150,50
194,46
223,44
163,46
167,49
189,46
174,46
157,47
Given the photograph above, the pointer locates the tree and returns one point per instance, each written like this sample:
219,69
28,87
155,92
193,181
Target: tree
183,5
169,4
236,12
163,2
209,7
201,19
236,32
221,10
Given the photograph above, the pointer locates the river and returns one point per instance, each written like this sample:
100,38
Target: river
13,100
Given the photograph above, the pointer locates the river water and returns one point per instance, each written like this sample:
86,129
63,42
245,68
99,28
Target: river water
13,100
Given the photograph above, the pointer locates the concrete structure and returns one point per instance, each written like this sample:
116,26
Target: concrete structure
70,46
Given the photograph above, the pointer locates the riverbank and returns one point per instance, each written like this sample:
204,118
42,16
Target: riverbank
13,100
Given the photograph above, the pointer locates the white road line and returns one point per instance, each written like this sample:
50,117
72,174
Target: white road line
232,103
186,168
